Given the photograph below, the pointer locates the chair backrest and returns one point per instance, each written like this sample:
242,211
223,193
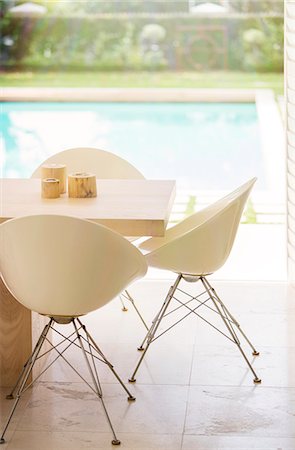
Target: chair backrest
202,243
100,162
65,266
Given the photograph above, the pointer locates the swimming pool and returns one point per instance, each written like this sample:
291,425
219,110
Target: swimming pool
201,145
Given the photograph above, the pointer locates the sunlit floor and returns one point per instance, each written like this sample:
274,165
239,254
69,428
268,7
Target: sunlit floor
193,391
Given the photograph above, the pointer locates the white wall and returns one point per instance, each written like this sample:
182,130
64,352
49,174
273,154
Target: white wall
290,130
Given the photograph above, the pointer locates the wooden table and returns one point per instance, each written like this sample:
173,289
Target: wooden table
131,207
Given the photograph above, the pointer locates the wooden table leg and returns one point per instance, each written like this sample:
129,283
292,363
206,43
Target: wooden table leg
15,337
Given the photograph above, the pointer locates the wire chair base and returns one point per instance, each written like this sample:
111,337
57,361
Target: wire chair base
80,338
209,300
126,295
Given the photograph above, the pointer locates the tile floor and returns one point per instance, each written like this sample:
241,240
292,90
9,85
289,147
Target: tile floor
193,391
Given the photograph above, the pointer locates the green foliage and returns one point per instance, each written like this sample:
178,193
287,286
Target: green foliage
149,6
190,207
115,43
256,6
250,213
264,47
119,6
153,33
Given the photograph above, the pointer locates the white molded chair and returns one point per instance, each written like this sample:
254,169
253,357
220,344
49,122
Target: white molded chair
100,162
194,249
65,267
104,165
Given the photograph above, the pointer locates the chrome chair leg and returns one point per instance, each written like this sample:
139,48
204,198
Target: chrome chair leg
91,352
155,325
131,300
27,365
21,382
96,382
234,320
126,295
104,359
228,325
124,308
218,308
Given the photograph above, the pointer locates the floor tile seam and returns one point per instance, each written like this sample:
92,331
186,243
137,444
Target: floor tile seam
214,385
108,383
266,347
13,425
241,436
93,432
262,346
284,312
274,279
272,388
107,432
18,415
142,384
275,310
226,282
269,313
16,418
188,390
231,386
276,347
184,419
188,385
193,353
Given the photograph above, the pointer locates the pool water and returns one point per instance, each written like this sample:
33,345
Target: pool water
201,145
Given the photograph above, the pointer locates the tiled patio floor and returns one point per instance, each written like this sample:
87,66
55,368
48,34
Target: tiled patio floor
193,391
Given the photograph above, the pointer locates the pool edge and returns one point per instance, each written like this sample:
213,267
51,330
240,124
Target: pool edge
15,94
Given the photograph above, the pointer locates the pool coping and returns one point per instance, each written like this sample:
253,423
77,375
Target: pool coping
15,94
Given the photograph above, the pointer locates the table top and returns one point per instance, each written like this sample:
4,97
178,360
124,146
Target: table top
130,207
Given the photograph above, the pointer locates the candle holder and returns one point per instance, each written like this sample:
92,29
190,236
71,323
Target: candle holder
82,185
55,171
50,188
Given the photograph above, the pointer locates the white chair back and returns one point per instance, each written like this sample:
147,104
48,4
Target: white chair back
201,243
65,266
99,162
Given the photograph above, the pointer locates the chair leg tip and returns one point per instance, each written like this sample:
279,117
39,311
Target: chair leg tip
124,309
9,397
257,380
131,398
131,380
2,441
255,353
116,442
140,349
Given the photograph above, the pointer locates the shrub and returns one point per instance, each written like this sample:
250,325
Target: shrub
113,42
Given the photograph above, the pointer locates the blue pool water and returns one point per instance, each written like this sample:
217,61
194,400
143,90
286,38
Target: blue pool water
201,145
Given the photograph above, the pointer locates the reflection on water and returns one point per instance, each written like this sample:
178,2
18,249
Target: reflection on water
201,145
